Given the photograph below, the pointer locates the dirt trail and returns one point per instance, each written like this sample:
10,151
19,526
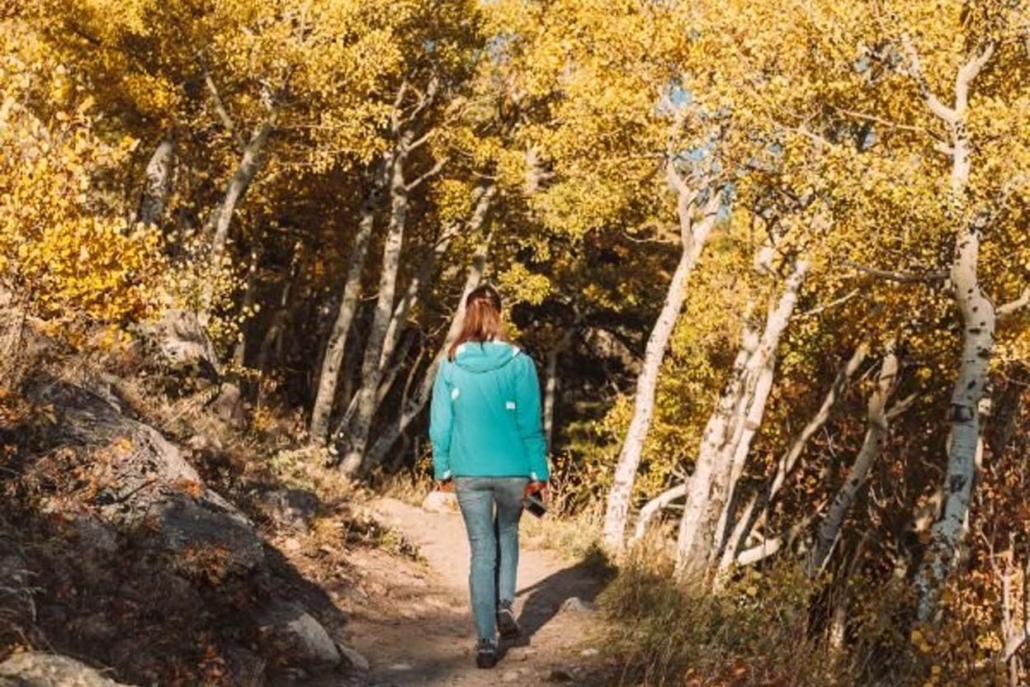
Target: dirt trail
425,635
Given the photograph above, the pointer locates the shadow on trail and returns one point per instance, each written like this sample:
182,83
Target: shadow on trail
542,601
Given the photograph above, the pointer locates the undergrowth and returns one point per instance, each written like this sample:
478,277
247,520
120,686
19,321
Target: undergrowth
753,633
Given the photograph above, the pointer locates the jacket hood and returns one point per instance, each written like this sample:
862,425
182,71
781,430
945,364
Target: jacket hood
485,357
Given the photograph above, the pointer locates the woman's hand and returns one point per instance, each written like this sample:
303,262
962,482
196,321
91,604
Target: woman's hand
541,489
445,486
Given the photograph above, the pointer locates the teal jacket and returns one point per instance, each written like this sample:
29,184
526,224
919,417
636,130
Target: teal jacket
485,419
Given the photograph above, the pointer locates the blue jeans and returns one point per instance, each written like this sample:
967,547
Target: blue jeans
494,542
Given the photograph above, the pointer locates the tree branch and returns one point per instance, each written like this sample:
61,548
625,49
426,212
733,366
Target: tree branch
832,304
1014,306
881,120
969,71
428,175
904,277
653,507
915,66
220,109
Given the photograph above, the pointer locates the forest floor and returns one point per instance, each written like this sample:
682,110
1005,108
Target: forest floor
411,619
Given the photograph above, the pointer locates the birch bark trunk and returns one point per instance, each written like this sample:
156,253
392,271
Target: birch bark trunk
978,324
693,234
746,521
159,173
358,429
219,222
411,410
728,436
876,430
332,360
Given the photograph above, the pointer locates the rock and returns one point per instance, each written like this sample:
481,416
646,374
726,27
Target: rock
204,442
511,676
94,628
132,658
183,342
400,667
95,535
37,669
289,508
520,653
228,406
207,538
245,667
16,605
440,502
562,675
589,652
353,657
575,604
148,479
290,636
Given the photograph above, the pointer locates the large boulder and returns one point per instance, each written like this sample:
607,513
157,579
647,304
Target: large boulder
145,481
37,669
183,342
291,637
293,509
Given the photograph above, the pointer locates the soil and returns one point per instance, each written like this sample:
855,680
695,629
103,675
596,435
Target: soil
415,626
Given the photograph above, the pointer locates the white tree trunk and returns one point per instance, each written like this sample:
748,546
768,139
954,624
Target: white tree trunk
978,323
876,430
159,182
694,235
728,435
978,320
239,355
246,170
551,382
654,507
335,350
746,520
358,429
413,408
220,220
482,198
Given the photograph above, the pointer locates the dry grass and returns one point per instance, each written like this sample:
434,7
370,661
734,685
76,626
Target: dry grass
753,634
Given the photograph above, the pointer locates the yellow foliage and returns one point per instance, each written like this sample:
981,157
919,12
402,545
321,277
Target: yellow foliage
63,249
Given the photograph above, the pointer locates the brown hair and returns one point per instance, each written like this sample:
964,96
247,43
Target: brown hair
482,320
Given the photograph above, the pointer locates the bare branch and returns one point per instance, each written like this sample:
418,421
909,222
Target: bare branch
915,66
832,304
428,175
770,547
967,74
880,120
901,406
421,140
220,109
904,277
398,102
1014,306
424,99
654,506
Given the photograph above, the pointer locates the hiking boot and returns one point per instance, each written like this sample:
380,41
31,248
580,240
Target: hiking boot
507,626
486,654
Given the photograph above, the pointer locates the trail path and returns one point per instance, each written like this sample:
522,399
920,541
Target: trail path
425,636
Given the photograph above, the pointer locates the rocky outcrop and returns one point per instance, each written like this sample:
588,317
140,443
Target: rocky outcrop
138,564
145,479
37,669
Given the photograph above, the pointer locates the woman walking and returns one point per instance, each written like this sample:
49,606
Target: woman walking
488,445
